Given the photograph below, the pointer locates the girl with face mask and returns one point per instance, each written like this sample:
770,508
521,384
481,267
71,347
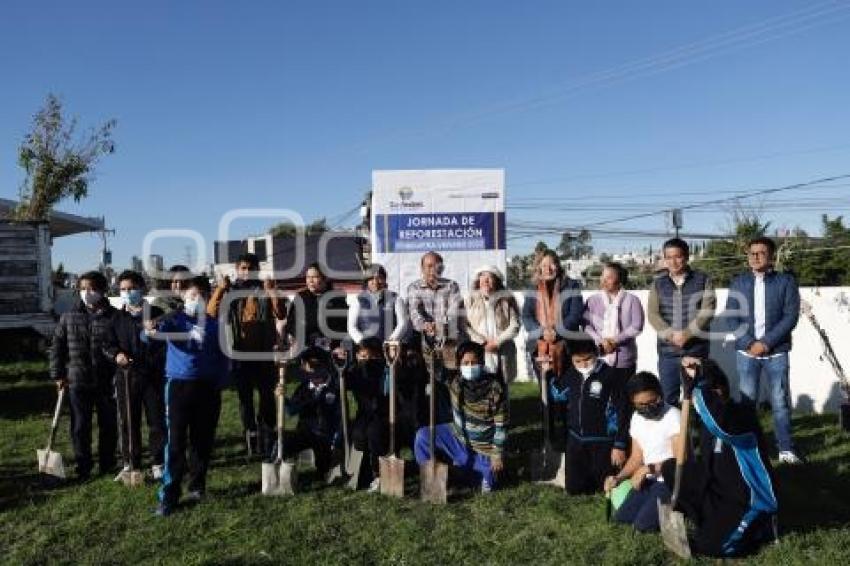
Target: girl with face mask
655,435
475,440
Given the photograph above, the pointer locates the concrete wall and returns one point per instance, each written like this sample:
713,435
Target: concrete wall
814,386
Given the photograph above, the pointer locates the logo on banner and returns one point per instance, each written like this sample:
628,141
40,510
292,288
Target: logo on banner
407,202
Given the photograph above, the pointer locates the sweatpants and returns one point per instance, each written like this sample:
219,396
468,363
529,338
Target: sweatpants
370,435
84,402
146,393
460,455
723,528
302,439
191,412
640,509
588,464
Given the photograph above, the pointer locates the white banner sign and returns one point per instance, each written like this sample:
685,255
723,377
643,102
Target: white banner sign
458,213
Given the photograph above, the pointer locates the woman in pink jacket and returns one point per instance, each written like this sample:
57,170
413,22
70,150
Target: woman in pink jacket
614,318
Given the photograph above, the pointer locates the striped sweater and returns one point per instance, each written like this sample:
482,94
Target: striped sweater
479,411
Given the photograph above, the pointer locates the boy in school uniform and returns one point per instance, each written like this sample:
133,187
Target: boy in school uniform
597,419
316,404
195,368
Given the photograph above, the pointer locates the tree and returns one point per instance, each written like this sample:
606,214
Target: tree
57,165
575,246
288,229
723,259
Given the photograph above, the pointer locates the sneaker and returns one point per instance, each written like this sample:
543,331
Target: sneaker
156,472
194,496
789,457
375,486
122,474
163,510
486,487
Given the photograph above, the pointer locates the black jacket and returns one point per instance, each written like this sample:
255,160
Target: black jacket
367,385
79,343
302,319
318,410
125,336
598,411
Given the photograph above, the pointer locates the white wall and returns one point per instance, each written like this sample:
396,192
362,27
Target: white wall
814,386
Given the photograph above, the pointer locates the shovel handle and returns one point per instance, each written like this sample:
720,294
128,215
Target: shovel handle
129,413
391,353
54,425
681,450
343,405
281,409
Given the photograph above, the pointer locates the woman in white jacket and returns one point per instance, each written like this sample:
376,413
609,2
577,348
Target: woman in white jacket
493,320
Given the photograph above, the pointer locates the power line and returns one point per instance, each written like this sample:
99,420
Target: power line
743,195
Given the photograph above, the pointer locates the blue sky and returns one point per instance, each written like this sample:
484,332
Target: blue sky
223,105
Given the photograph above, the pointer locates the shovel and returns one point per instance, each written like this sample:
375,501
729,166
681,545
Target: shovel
50,462
132,477
279,477
674,533
547,465
352,459
391,468
433,474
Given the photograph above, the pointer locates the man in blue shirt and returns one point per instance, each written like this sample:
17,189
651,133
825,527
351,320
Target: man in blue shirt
762,310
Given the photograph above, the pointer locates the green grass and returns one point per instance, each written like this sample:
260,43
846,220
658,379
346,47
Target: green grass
103,522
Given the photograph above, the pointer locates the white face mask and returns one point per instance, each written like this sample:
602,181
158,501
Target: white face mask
90,298
192,307
585,372
470,373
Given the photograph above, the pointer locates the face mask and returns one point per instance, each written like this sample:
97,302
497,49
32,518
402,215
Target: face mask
192,307
90,298
585,372
652,412
371,367
132,297
470,373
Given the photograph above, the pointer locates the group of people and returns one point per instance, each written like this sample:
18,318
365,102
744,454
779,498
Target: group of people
622,428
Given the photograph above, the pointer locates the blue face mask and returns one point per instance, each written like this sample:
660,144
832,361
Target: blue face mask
132,297
470,373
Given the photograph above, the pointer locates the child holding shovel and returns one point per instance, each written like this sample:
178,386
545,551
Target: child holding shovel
368,381
598,430
316,404
728,492
474,442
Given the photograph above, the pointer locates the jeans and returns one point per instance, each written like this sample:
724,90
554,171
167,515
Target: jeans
640,509
776,370
670,375
461,455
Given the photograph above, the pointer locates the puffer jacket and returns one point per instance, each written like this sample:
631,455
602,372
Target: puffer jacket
79,342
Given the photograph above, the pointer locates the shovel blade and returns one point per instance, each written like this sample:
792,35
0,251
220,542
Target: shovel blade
433,477
674,532
549,467
279,478
352,468
50,463
133,478
392,476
